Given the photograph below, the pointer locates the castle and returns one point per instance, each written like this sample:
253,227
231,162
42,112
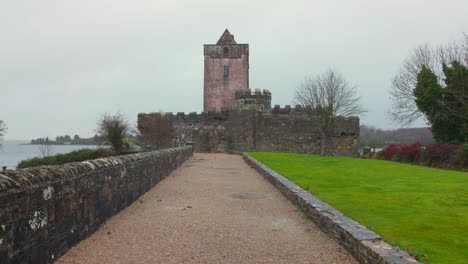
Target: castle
238,119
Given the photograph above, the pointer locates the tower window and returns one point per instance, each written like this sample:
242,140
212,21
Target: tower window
226,52
226,72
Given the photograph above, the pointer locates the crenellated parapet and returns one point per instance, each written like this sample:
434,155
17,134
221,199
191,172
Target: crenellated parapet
343,126
257,93
253,100
281,128
286,110
213,115
296,110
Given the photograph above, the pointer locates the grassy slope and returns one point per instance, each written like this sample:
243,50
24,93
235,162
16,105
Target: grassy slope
423,209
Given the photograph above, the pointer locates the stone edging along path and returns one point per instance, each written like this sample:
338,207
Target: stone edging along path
362,243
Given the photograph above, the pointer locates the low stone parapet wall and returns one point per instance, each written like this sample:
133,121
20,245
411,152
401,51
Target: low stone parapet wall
366,246
46,210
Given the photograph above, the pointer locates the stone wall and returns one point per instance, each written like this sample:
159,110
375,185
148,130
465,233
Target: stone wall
275,130
292,130
46,210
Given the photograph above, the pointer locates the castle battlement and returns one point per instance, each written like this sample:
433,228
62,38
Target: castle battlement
288,110
257,93
282,128
276,110
186,116
256,100
298,109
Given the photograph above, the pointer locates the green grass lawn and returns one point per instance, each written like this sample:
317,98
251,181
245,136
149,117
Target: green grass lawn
422,210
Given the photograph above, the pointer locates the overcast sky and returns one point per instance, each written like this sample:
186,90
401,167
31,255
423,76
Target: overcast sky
63,63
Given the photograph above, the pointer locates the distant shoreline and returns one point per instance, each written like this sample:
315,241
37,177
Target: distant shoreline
62,144
28,142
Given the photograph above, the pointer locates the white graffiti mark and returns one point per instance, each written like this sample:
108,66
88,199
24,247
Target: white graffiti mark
38,220
123,173
47,193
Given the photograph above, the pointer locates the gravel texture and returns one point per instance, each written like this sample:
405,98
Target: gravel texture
213,209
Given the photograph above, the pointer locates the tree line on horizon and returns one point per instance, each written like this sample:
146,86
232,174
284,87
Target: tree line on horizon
373,137
65,140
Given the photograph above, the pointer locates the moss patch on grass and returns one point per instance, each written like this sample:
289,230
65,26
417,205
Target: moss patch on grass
422,210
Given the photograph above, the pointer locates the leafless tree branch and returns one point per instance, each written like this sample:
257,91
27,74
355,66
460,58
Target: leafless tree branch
327,96
45,148
3,130
156,132
404,109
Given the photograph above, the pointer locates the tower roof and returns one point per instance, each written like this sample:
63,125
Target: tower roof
226,38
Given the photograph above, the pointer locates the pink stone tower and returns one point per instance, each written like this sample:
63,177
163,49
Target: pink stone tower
226,71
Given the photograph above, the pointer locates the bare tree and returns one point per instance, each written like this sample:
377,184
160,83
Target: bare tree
454,51
156,131
325,97
3,130
45,148
369,136
114,129
404,109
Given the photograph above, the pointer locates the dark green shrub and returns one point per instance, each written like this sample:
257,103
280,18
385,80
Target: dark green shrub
77,155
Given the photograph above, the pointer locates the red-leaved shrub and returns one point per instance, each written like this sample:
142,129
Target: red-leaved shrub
407,153
411,152
437,154
390,151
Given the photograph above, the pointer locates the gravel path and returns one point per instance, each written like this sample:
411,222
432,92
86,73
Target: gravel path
213,209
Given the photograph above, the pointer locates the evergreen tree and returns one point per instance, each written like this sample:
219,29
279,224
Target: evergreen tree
445,108
456,97
429,95
428,92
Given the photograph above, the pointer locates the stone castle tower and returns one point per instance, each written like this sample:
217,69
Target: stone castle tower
226,72
238,118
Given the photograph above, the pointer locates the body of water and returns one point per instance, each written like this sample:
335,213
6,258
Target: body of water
13,152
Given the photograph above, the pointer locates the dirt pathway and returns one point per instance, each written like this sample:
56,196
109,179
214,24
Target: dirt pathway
213,209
